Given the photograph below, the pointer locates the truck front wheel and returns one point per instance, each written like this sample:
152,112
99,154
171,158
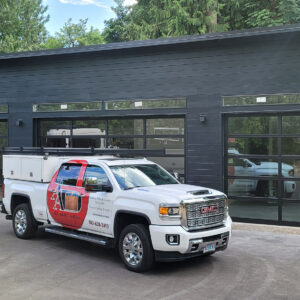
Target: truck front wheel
135,248
24,224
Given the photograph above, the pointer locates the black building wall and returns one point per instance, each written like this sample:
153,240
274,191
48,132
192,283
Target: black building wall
202,72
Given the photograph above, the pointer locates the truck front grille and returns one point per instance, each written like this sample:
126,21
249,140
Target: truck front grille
203,214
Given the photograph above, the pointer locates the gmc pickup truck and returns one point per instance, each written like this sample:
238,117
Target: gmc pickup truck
132,204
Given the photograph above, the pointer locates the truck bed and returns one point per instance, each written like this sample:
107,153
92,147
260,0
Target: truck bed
37,192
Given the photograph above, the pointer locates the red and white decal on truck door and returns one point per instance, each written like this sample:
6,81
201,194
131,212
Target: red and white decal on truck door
67,204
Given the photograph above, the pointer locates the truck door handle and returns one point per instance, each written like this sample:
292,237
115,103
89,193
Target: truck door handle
52,191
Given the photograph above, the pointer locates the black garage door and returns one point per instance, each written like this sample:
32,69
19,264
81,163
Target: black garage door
262,167
151,133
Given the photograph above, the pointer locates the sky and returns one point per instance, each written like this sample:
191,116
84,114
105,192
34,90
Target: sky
95,10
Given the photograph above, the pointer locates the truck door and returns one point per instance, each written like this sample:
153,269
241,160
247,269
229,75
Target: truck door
98,218
67,199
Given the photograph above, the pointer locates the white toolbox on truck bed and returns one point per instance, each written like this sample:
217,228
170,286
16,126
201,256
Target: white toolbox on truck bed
36,168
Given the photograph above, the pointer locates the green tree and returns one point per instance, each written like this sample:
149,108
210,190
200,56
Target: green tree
154,19
74,35
22,25
116,29
164,18
243,14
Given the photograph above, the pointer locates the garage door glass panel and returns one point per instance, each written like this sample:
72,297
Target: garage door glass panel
254,187
55,128
55,142
290,146
253,125
88,142
291,124
291,211
252,167
165,126
125,127
249,209
3,128
165,143
90,127
3,142
253,146
126,143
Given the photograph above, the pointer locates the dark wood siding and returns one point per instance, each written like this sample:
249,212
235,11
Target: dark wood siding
202,73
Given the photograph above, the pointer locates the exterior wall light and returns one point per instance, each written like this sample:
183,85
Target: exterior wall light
202,118
19,123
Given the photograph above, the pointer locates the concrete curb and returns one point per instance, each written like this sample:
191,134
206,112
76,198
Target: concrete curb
266,228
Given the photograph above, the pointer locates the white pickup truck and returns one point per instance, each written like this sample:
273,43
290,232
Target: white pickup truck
132,204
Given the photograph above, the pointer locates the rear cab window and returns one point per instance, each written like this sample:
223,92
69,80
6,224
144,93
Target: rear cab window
68,174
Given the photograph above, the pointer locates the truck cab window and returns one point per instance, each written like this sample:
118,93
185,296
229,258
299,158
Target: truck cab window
97,172
68,174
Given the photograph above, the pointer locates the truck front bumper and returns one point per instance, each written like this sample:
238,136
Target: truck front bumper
190,244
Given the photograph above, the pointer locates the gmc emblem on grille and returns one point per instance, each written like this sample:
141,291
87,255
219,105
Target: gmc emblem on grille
209,209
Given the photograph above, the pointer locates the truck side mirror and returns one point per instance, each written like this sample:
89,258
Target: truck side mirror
91,185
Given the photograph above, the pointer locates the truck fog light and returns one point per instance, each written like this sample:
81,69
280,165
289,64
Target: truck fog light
173,239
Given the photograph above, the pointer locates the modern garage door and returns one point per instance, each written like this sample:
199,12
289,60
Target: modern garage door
151,133
262,167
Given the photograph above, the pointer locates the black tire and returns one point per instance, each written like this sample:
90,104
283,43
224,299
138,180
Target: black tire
262,189
30,228
146,260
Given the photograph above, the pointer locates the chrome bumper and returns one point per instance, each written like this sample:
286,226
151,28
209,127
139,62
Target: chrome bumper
219,241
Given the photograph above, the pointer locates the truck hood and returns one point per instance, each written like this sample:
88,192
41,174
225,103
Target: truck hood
178,191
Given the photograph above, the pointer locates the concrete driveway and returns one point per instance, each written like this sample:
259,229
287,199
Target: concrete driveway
257,265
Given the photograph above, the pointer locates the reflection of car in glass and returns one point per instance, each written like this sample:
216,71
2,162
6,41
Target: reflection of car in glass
238,166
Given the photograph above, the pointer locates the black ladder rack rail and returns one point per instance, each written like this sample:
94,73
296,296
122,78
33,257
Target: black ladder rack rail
82,151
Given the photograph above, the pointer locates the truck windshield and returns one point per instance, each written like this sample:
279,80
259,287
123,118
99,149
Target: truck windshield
132,176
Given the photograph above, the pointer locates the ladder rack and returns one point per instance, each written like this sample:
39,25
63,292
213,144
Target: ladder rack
82,151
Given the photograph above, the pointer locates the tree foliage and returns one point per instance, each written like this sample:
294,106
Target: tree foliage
116,29
22,25
164,18
154,19
73,35
243,14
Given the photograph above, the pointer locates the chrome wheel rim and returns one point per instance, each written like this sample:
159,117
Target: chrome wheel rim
132,249
20,222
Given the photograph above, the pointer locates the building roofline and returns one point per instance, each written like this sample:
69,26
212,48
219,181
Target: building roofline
155,42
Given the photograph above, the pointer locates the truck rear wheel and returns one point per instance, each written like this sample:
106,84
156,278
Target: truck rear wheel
24,224
135,248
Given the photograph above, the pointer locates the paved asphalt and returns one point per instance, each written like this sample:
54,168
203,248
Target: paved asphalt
257,265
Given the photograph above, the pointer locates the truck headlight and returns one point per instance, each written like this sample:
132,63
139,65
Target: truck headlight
166,210
226,208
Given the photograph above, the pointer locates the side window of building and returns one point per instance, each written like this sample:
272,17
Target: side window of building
68,174
96,172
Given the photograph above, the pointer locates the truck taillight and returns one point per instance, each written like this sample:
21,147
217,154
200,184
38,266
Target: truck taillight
3,190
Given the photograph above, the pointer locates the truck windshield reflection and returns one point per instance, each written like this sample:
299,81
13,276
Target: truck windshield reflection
132,176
